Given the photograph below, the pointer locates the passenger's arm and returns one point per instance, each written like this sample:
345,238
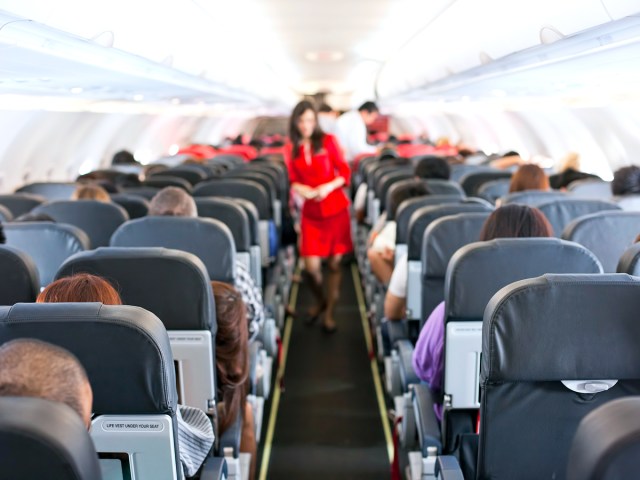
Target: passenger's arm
395,308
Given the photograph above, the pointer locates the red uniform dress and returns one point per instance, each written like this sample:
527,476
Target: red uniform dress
325,224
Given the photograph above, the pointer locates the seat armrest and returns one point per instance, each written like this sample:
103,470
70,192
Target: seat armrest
398,330
254,352
426,421
231,438
447,468
407,375
215,468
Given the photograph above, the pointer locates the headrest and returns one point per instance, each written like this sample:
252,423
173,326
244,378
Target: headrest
607,443
252,215
44,439
388,180
444,187
606,234
97,219
533,197
561,212
495,189
629,203
172,284
260,178
163,179
19,280
406,209
422,217
458,171
629,261
562,327
136,206
444,236
590,189
144,192
229,213
48,244
125,351
472,181
208,239
477,271
5,214
20,203
188,173
237,187
50,190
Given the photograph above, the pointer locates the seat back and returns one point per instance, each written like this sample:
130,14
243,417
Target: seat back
97,219
475,273
460,170
606,234
539,335
135,205
630,261
442,238
596,189
21,203
18,276
48,244
495,189
630,203
5,214
50,190
126,353
607,443
444,187
146,192
533,198
387,182
562,212
175,286
237,188
44,439
472,181
163,179
185,172
208,239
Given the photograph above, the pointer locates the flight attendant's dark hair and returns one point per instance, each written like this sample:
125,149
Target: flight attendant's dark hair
294,134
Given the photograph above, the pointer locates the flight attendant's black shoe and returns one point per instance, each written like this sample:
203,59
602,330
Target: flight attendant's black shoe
314,313
330,327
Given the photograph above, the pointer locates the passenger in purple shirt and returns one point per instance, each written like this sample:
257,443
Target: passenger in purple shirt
509,221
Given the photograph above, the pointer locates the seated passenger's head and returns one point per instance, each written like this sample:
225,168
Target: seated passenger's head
91,192
124,157
32,368
81,287
415,189
626,181
512,221
529,177
232,355
432,166
173,201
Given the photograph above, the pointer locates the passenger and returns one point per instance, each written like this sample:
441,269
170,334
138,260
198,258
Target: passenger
626,181
529,177
434,167
568,172
382,251
91,192
507,160
195,433
351,130
232,366
510,221
173,201
318,172
124,157
32,368
327,118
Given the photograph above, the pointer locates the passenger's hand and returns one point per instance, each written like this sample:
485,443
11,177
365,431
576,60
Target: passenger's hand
387,254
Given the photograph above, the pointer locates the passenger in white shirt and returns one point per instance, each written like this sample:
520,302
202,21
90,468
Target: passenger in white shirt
351,130
327,118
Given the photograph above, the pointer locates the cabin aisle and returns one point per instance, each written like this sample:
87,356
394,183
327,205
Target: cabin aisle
329,423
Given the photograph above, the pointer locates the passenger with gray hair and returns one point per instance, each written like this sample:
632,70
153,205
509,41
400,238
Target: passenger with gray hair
174,202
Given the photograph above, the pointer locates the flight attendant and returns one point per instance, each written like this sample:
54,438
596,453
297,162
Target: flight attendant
317,172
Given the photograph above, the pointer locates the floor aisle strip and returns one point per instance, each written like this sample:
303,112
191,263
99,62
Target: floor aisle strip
374,364
266,452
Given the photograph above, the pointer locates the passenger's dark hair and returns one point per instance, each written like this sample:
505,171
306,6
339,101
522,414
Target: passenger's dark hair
232,354
123,157
3,239
432,166
510,153
626,181
34,217
368,107
417,188
324,108
388,154
513,221
294,134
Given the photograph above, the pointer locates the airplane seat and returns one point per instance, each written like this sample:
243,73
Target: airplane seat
474,274
126,353
388,180
97,219
629,261
45,439
606,445
48,244
145,192
595,189
473,180
536,386
444,187
50,190
185,172
19,280
267,183
460,170
561,212
494,189
228,158
135,205
533,198
21,203
164,179
606,234
5,214
628,202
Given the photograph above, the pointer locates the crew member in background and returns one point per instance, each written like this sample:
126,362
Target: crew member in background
351,130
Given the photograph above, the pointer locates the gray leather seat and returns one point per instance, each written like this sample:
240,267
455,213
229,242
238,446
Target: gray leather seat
18,276
135,205
44,439
495,189
163,179
595,189
48,244
562,212
533,198
630,261
472,181
21,203
444,187
186,172
237,188
147,192
208,239
5,214
50,190
606,234
97,219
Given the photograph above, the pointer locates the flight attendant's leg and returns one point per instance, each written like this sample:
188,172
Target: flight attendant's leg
334,277
313,269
